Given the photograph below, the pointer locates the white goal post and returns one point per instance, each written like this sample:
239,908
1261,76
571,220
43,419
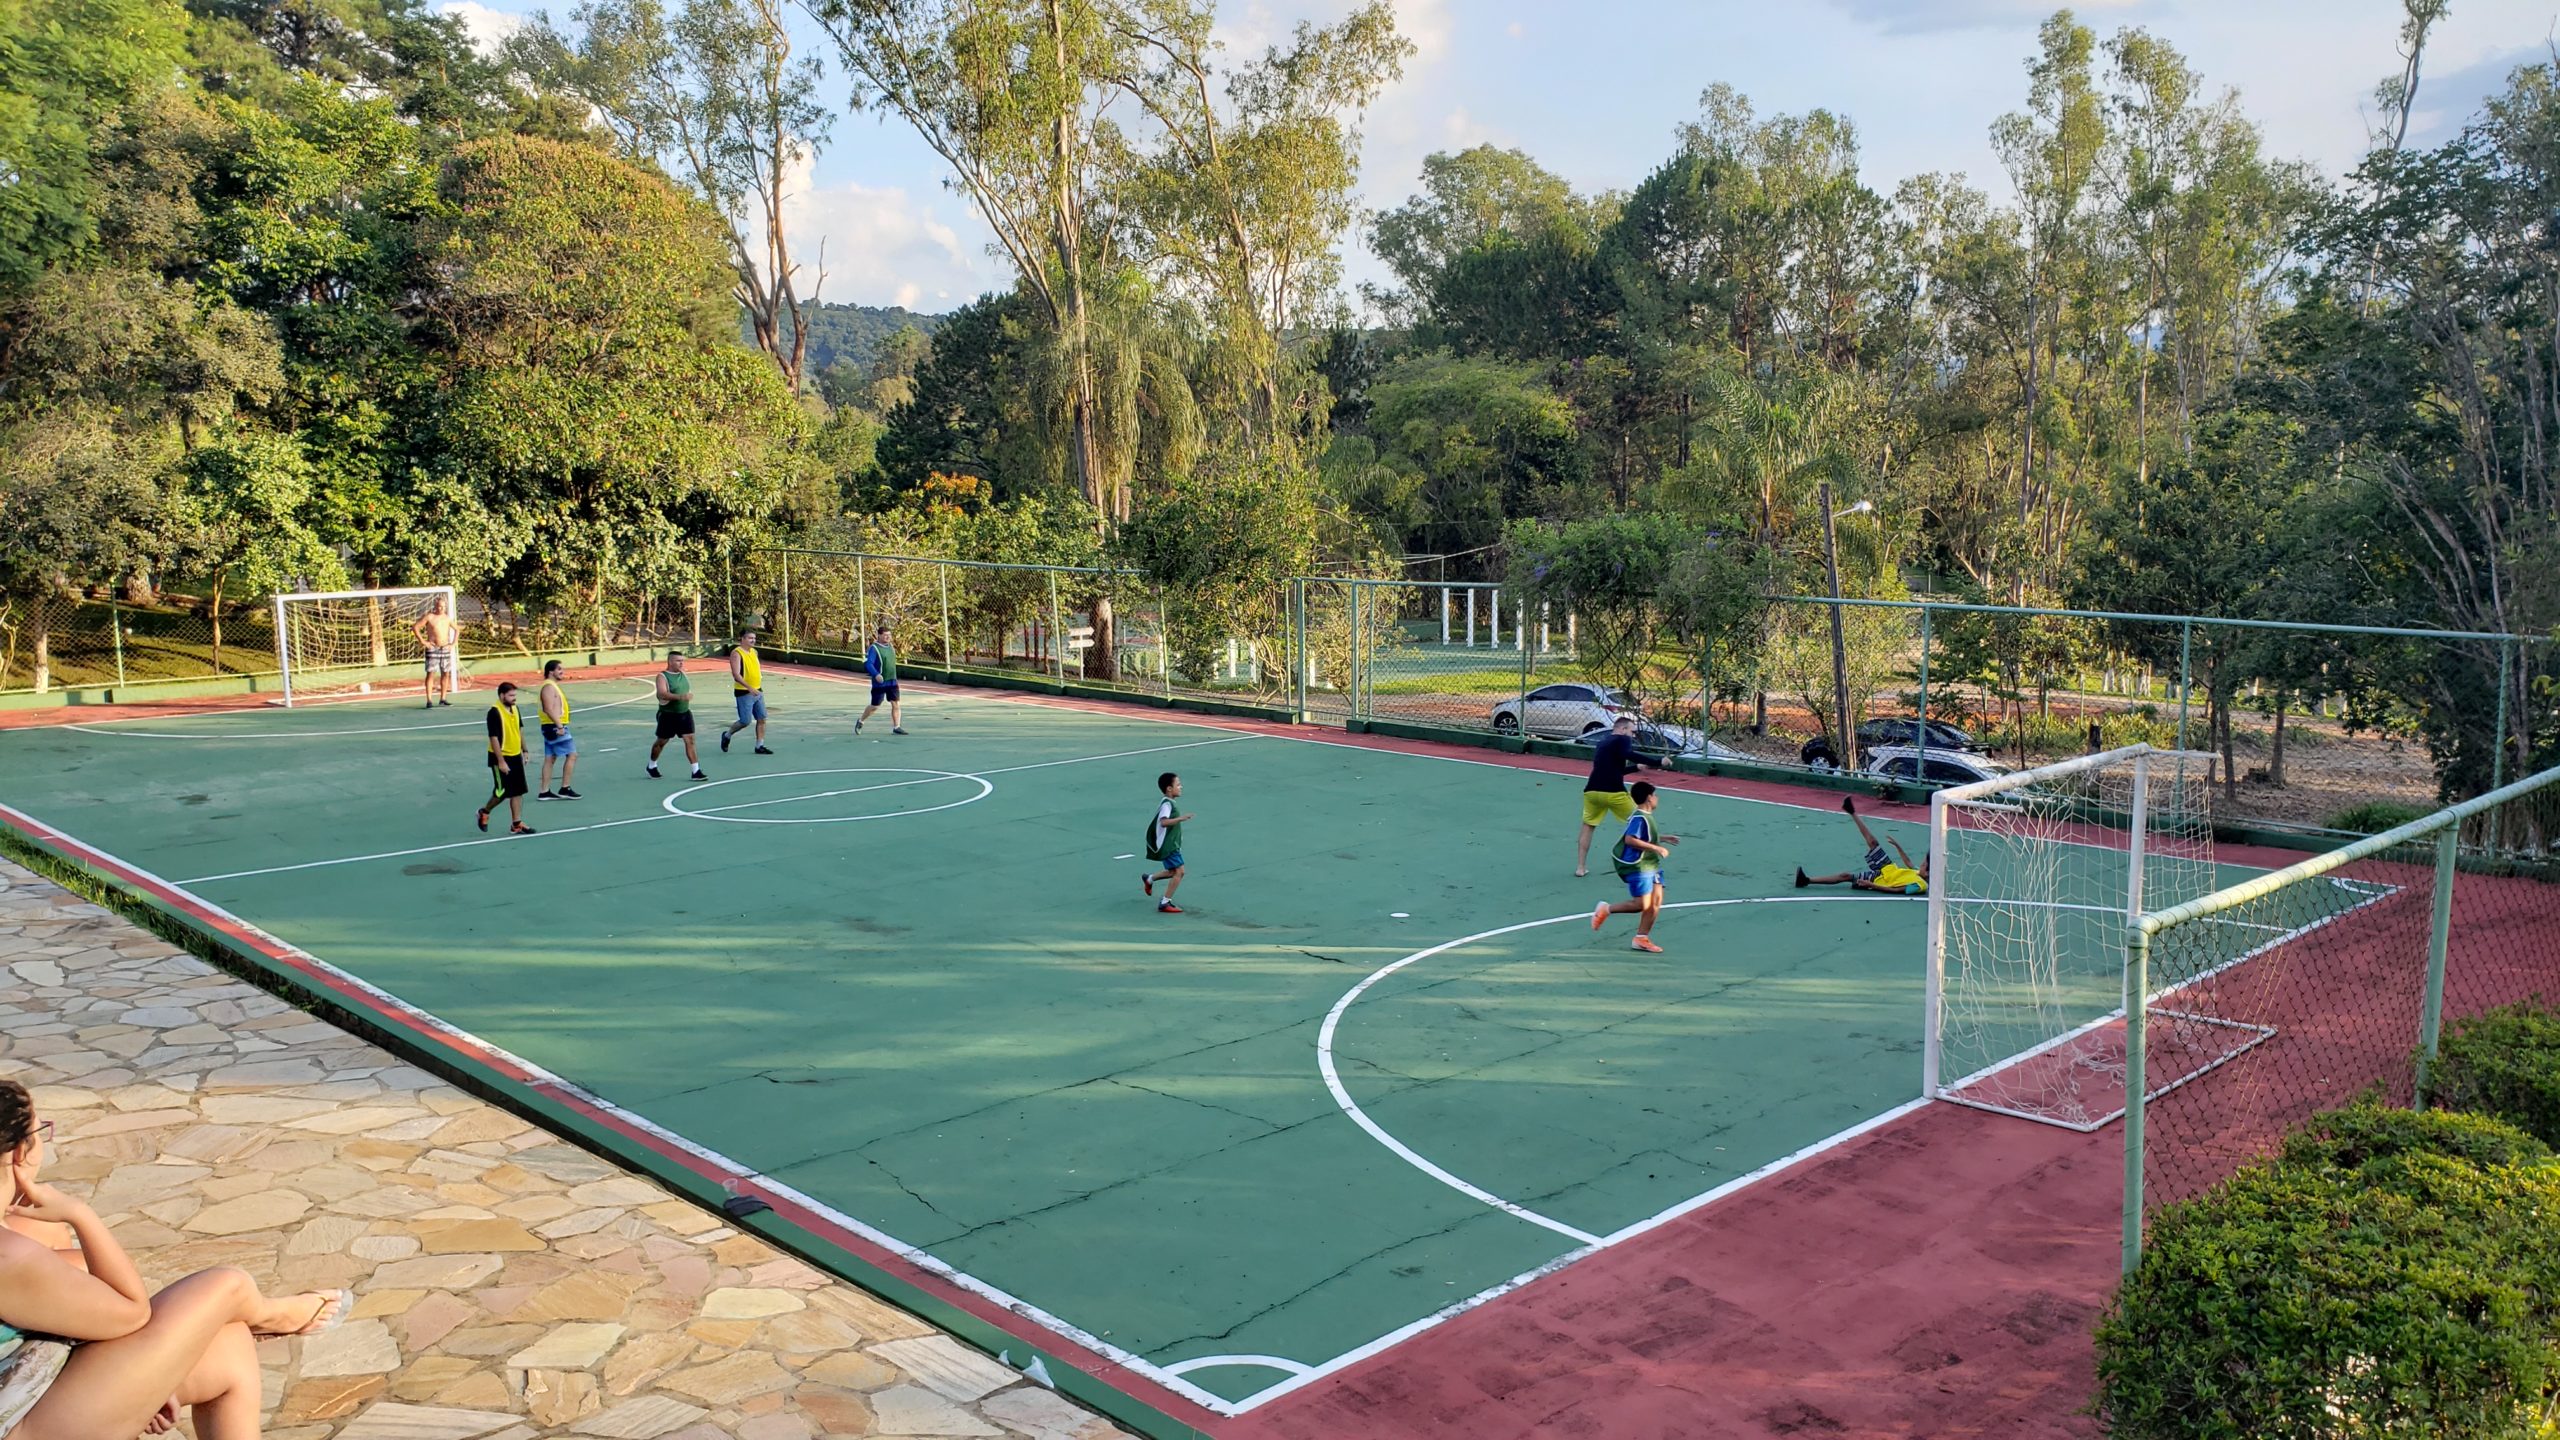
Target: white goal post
2034,878
346,632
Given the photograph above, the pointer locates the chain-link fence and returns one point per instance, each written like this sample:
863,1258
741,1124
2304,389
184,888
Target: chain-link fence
1089,626
2348,963
65,642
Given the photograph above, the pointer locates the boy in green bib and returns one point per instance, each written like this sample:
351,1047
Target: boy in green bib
1164,843
1638,858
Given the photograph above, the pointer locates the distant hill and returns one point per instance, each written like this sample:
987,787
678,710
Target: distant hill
852,332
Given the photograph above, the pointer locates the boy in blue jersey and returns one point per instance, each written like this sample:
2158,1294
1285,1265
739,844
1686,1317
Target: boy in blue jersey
1638,858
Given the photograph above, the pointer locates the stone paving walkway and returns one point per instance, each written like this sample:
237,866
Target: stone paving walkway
508,1284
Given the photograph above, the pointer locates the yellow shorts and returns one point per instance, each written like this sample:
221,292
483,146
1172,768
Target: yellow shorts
1599,806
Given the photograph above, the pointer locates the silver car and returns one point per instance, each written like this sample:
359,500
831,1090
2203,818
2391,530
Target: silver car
1563,711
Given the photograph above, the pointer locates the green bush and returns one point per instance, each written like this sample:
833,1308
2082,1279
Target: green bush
2506,1064
2387,1274
2375,816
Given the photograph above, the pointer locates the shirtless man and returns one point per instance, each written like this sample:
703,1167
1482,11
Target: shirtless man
438,631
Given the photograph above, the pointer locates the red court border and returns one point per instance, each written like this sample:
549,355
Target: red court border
1786,1308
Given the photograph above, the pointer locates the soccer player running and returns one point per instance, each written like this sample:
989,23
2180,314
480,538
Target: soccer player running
746,686
1638,856
1164,843
437,630
675,715
880,662
557,743
506,761
1879,875
1604,795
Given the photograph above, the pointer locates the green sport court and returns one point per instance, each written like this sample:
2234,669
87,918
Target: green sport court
1382,1071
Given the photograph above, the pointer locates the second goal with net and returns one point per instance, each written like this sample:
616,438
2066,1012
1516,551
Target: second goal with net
330,642
2034,879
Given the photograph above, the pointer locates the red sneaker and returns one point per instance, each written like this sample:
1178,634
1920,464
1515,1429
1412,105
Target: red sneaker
1167,907
483,818
1599,914
1147,883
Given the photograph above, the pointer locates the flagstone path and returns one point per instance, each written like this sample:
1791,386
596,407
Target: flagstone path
508,1284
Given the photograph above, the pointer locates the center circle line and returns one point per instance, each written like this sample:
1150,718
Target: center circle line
721,813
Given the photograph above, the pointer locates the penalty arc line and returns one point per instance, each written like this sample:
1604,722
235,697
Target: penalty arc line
652,819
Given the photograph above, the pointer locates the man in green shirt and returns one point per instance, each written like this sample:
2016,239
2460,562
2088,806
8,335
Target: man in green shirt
675,715
880,662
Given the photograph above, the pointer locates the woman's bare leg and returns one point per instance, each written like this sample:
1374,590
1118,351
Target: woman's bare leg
222,1390
112,1387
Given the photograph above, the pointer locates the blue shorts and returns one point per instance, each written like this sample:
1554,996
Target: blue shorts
555,747
750,707
1172,860
1644,882
883,690
1876,861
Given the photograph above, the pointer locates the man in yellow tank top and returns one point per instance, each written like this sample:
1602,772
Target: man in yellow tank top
557,743
746,685
506,761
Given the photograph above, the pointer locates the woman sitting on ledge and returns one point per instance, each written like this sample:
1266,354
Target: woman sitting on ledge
86,1353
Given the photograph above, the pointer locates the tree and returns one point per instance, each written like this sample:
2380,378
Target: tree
1466,200
712,95
1636,584
1220,545
595,390
1489,440
244,498
66,67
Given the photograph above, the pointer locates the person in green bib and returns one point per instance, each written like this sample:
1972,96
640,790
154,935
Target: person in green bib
1164,842
880,662
675,715
1638,858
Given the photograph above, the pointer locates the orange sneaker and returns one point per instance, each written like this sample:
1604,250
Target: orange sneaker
1645,944
1599,914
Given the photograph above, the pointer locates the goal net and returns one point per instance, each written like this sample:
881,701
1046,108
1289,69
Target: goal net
2034,879
332,642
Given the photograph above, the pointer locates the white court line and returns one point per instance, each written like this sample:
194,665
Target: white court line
93,729
651,819
1280,1363
721,812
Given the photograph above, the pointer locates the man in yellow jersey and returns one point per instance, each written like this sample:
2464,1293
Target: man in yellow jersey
1879,875
437,631
675,715
506,761
557,743
746,686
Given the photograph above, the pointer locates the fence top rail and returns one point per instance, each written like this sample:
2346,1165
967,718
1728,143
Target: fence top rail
942,560
2232,896
2033,613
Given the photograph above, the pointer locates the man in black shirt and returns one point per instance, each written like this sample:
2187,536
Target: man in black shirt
1604,795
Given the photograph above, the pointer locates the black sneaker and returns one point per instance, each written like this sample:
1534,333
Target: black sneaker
1801,882
761,750
857,727
724,742
546,795
446,703
1849,803
698,775
654,772
483,818
568,794
897,730
519,829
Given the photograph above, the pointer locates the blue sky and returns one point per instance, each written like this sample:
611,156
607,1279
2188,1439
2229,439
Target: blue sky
1594,88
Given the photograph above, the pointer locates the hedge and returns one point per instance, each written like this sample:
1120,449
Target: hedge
2505,1063
2388,1273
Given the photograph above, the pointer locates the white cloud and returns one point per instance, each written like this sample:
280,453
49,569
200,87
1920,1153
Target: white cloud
488,28
1515,29
882,246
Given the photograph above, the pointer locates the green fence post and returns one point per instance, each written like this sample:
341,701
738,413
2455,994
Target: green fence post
1359,707
786,600
943,573
2439,936
1057,637
1164,647
2137,992
1922,770
1520,634
2186,685
1297,642
2506,680
115,628
861,605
